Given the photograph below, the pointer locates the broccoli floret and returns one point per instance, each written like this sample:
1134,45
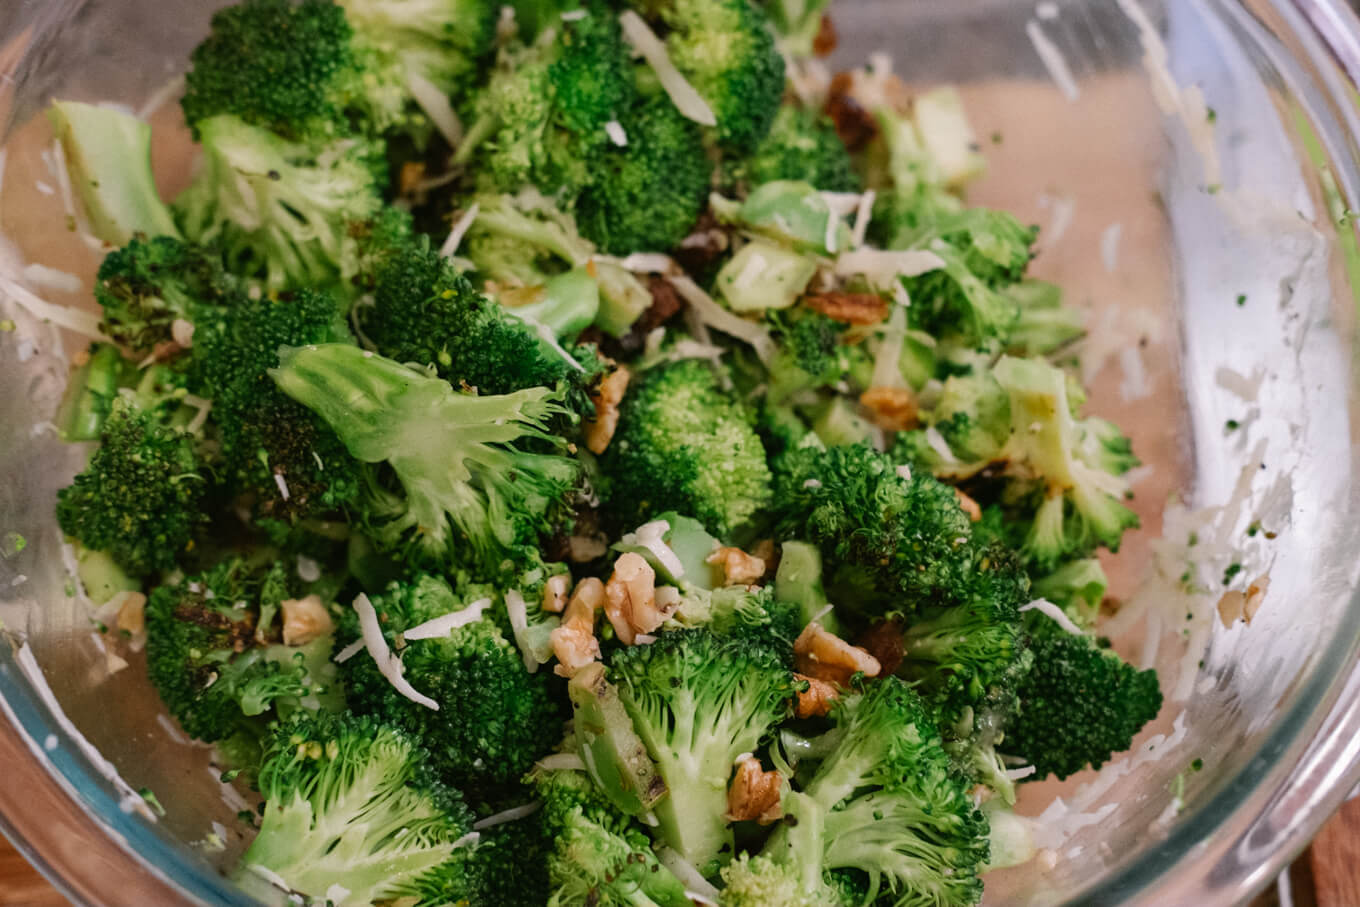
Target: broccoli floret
441,41
280,210
509,867
352,803
683,444
1079,705
108,157
1045,325
425,312
802,145
216,656
494,717
139,497
760,881
286,460
797,22
522,240
646,195
469,495
145,286
973,418
542,115
725,48
291,69
598,855
699,700
1078,587
811,354
890,542
886,808
369,244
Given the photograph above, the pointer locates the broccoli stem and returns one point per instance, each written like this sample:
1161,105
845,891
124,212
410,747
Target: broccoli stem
89,395
568,306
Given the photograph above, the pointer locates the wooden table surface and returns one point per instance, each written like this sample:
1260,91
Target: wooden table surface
1328,875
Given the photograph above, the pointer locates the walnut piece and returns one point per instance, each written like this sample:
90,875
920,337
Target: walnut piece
132,614
970,506
555,592
600,430
630,598
849,308
824,655
739,568
816,699
573,640
304,619
754,793
891,408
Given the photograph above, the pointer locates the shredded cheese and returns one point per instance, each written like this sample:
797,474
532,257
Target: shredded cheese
649,263
436,106
52,278
882,268
388,664
614,129
517,609
507,815
863,214
455,238
282,485
562,762
84,323
688,101
652,536
1109,246
697,888
442,625
1053,61
1053,613
715,316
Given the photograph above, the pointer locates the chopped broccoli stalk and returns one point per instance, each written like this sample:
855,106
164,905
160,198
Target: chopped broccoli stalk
566,304
494,717
690,543
798,579
280,210
522,240
100,575
614,754
1045,325
764,276
947,135
683,444
599,856
885,805
698,700
791,212
139,497
353,803
90,393
837,422
108,155
468,494
623,298
216,657
1079,705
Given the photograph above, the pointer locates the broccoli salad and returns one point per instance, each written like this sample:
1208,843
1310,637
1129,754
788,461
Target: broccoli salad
583,453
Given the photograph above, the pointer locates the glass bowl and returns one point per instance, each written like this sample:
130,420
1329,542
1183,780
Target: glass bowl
1190,165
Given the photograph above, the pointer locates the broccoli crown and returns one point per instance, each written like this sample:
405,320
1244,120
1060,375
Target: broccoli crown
1079,705
494,717
427,313
214,653
285,67
146,285
893,814
698,700
469,495
352,802
761,880
289,461
280,210
139,496
901,543
726,49
973,416
369,244
591,74
802,145
646,195
811,353
523,240
683,444
598,856
441,40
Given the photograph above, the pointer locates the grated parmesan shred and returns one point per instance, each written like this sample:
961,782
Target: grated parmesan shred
455,238
445,623
614,130
389,665
652,536
688,101
507,815
715,316
1053,613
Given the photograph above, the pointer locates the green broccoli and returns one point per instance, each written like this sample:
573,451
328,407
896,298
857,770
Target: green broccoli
352,804
426,313
798,23
699,700
1045,325
890,542
469,496
683,444
148,284
522,240
598,856
139,497
440,41
812,353
884,807
1079,705
646,195
217,657
802,145
288,462
726,49
494,717
509,867
280,210
90,392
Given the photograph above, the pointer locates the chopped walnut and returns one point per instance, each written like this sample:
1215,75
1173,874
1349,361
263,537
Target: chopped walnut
855,126
600,430
884,642
891,408
824,42
816,699
630,598
849,308
304,619
739,568
410,177
824,655
573,640
970,506
132,614
754,793
555,592
1256,594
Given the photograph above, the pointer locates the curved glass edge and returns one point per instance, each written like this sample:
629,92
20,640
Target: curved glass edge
1259,821
172,867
